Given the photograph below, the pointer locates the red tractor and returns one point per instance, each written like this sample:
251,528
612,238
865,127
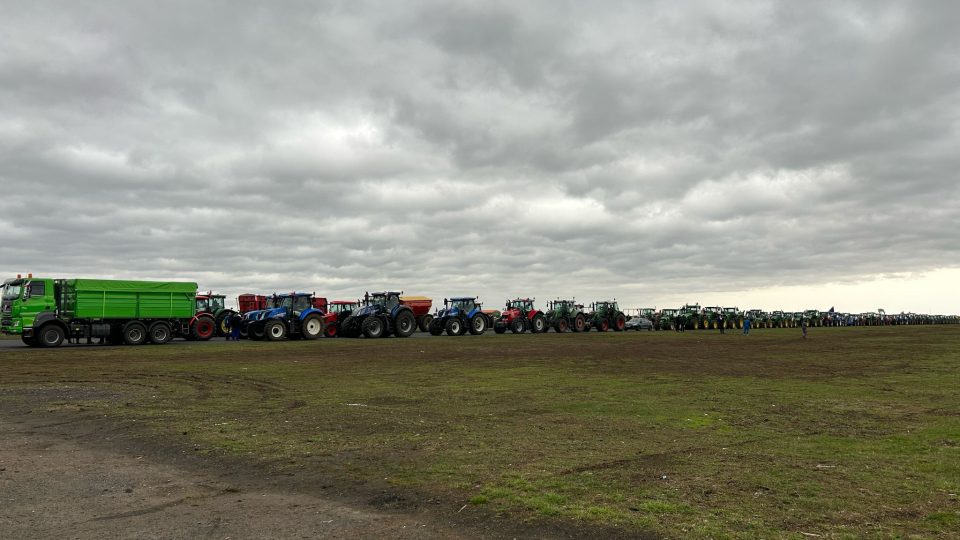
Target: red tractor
520,315
337,311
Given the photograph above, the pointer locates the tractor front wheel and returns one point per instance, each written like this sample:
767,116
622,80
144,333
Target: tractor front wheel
372,327
275,330
579,323
619,322
518,325
424,323
454,327
562,326
203,328
436,327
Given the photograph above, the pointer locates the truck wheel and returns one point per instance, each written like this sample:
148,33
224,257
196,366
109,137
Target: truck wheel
424,323
203,328
134,333
50,336
619,323
29,341
436,327
159,333
405,324
372,327
275,330
539,324
312,327
454,327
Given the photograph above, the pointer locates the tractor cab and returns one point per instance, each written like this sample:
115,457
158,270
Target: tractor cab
522,304
344,307
462,304
387,299
210,303
294,302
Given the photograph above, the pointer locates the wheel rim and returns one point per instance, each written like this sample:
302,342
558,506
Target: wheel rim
50,337
135,335
276,330
313,326
159,334
404,324
455,327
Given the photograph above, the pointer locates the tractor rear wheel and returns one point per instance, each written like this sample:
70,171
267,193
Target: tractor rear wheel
518,325
372,327
619,322
454,327
478,324
202,329
405,324
159,333
562,326
222,323
312,326
538,324
579,323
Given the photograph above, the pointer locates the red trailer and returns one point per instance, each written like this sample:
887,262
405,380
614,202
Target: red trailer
421,310
251,302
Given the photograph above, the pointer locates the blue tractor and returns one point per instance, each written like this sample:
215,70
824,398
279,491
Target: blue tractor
381,315
292,316
459,316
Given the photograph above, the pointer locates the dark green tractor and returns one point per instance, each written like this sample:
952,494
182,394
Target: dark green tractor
666,319
606,315
690,317
563,315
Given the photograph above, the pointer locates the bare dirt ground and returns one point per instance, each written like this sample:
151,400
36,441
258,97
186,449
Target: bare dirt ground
69,476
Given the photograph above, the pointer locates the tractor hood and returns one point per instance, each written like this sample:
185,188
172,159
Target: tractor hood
365,311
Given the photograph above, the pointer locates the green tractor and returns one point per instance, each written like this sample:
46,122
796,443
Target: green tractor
691,317
759,319
606,315
563,315
733,317
813,317
666,319
712,317
778,319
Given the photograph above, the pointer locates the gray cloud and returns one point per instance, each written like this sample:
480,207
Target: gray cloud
549,148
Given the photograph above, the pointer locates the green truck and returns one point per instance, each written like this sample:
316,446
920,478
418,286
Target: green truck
44,312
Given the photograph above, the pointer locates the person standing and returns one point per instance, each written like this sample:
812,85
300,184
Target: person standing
746,326
235,323
803,328
723,323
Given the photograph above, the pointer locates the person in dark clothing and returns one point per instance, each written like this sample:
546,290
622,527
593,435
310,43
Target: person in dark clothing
803,327
723,323
235,322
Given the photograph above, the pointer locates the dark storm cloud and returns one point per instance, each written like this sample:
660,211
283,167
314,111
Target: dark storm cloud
549,148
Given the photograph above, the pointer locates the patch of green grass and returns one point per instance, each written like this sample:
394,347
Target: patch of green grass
694,435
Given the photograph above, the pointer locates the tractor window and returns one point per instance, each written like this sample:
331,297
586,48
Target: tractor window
216,303
203,304
392,301
302,303
286,302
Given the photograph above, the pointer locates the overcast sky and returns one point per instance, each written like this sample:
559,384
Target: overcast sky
782,153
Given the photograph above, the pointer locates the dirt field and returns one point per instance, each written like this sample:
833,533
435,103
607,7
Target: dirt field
852,433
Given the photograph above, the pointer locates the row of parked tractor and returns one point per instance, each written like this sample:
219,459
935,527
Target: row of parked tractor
390,313
45,312
694,317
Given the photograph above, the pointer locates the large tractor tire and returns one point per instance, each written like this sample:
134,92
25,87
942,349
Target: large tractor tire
579,323
478,324
275,330
539,324
50,335
203,328
436,327
222,323
159,333
619,322
454,327
561,326
405,324
518,325
255,331
603,326
372,327
424,323
330,330
499,328
350,327
312,326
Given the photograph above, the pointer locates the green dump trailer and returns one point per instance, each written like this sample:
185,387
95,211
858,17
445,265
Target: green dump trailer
45,312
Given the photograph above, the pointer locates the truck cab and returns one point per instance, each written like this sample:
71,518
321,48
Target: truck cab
24,299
